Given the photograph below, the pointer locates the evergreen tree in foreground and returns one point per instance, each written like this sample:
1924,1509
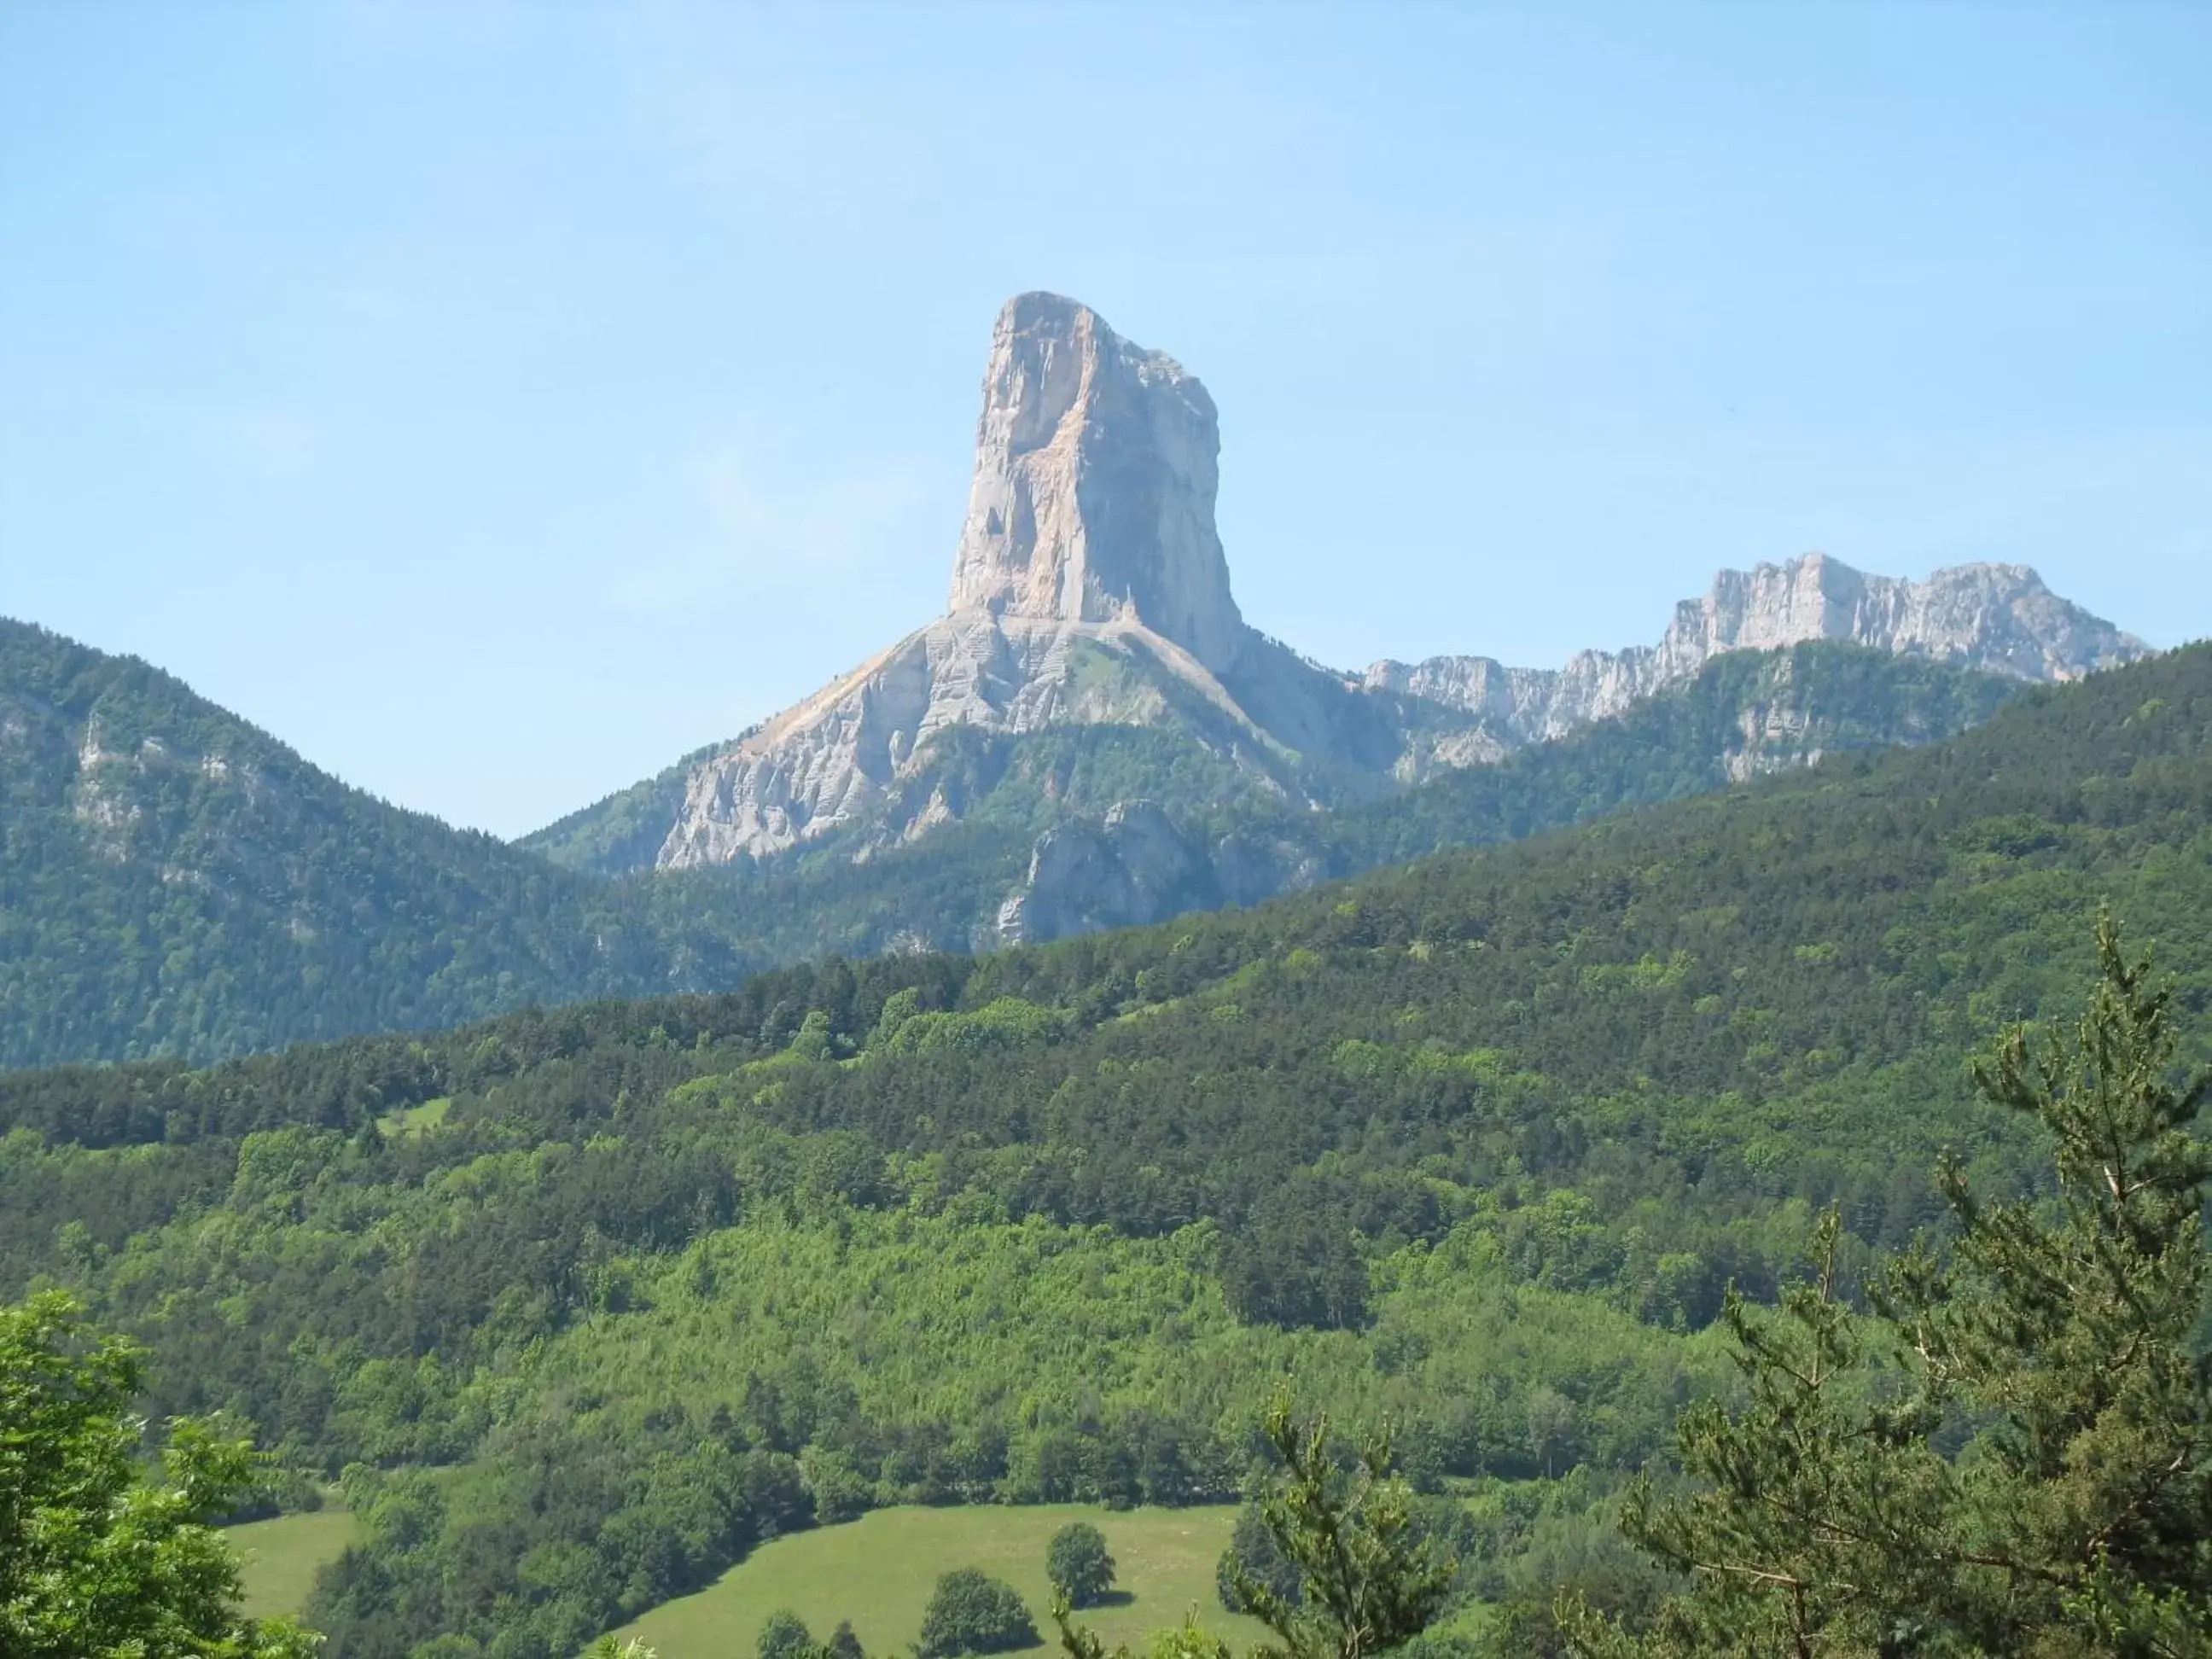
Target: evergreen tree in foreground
1367,1582
2061,1342
1252,1556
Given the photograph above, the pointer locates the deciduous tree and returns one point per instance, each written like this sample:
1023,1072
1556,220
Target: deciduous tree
1077,1564
101,1553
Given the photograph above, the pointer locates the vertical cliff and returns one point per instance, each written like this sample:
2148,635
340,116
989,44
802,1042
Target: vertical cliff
1095,467
1090,588
1089,585
2000,618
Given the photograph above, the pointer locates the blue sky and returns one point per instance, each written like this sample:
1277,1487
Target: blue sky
496,402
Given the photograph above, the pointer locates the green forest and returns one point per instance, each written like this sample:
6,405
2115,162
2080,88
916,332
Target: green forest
174,881
579,1304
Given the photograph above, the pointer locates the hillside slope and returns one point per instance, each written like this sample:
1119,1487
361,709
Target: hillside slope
1069,830
1090,589
1477,1141
175,881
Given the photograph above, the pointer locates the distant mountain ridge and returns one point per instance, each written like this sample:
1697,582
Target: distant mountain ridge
1054,840
175,881
1090,737
1090,587
2000,618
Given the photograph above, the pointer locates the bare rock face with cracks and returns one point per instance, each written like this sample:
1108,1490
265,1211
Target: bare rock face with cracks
1998,617
1095,467
1089,585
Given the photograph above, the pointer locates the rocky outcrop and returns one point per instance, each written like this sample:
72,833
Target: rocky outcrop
1137,866
1998,617
1096,468
826,762
1134,867
1089,585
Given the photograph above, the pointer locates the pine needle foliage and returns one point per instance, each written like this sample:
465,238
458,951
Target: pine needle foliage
1370,1582
2059,1347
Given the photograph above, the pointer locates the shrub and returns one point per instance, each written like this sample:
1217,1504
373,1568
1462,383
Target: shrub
971,1612
784,1636
1077,1563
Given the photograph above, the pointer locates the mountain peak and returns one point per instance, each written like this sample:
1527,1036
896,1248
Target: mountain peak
1999,617
1097,463
1090,589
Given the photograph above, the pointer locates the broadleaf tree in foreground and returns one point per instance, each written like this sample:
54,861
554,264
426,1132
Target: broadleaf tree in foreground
100,1553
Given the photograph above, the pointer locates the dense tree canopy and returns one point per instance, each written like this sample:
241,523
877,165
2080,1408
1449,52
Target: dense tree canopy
2063,1337
971,1612
1077,1564
784,1634
174,881
648,1283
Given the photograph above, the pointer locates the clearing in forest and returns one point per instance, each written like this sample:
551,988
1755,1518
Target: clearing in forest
879,1571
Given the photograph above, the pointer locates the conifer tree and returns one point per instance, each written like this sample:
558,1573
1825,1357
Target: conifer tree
1368,1582
2061,1340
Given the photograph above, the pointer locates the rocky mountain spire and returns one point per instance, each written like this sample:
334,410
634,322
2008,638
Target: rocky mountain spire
1095,469
1089,589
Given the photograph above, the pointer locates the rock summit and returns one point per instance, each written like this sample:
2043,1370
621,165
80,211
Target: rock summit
1097,463
1090,588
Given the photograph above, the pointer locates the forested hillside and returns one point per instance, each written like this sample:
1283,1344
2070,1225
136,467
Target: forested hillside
585,1302
1746,714
174,881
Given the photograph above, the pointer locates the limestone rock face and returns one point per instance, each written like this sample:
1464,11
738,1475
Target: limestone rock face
1097,464
1137,865
1998,617
1084,878
822,763
1090,587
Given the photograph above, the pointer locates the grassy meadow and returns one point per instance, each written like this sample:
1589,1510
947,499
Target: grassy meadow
879,1570
411,1120
279,1558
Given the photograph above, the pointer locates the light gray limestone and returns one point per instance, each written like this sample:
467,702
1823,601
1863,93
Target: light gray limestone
1998,617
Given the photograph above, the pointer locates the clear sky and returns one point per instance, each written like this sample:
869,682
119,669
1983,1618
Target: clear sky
496,402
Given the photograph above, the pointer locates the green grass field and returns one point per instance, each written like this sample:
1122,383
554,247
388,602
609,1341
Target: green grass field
410,1120
879,1570
278,1557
